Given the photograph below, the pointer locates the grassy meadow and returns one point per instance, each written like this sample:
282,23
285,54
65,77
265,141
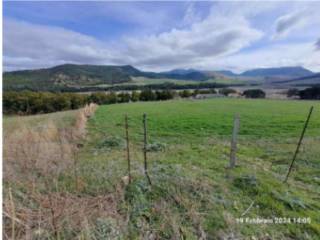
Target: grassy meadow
193,194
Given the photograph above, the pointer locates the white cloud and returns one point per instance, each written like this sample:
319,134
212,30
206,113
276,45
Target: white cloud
317,44
279,55
217,41
30,45
213,37
191,15
296,20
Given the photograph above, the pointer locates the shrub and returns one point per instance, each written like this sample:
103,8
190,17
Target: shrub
254,93
292,92
185,94
247,183
156,147
147,95
98,98
111,98
135,96
124,97
164,95
310,93
227,91
111,142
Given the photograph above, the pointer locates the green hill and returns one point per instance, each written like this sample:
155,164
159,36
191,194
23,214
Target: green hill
68,75
75,76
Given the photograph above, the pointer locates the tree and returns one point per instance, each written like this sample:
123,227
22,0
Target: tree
111,98
61,102
135,96
98,98
310,93
254,93
227,91
292,92
124,97
77,100
185,94
164,95
147,95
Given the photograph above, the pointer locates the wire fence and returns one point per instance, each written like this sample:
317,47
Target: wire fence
41,160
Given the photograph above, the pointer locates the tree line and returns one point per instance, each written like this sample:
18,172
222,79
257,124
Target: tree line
122,87
28,102
312,93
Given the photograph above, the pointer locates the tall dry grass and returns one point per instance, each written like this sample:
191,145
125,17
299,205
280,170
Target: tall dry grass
46,149
34,157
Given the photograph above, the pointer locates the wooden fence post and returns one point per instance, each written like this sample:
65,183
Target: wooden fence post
145,147
128,147
233,151
299,143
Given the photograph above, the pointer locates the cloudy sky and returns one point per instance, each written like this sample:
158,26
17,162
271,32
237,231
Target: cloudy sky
162,35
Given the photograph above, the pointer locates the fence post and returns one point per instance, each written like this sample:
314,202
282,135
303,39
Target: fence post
299,143
145,147
128,147
233,151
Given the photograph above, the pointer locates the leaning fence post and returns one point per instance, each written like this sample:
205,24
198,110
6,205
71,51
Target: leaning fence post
145,147
128,147
299,143
233,151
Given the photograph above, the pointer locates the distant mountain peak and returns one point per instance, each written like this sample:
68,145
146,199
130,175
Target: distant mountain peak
181,71
291,71
226,72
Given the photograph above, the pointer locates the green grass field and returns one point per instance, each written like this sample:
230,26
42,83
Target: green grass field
193,193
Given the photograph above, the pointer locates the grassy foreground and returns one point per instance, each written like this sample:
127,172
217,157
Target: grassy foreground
194,195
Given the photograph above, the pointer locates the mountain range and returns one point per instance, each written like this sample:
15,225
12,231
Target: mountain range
72,75
87,75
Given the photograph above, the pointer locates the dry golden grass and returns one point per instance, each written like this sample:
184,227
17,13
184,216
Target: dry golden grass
44,147
36,149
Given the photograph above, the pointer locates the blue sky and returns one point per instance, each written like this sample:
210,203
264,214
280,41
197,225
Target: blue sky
162,35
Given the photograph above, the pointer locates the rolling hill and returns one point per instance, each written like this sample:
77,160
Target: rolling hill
76,76
72,75
281,72
68,75
275,76
308,80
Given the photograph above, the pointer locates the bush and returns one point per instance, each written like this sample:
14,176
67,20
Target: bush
147,95
135,96
185,94
164,95
254,93
111,142
310,93
227,91
27,102
98,98
124,97
156,147
292,92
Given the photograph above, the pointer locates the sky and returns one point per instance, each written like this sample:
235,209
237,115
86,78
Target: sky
160,36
